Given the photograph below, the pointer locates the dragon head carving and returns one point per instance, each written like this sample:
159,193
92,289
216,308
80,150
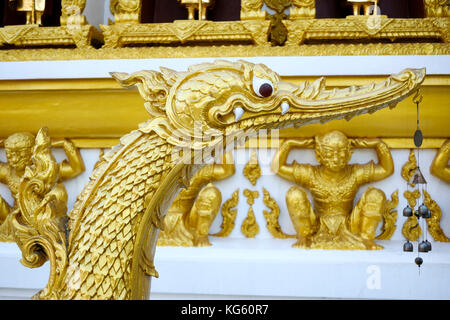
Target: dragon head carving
225,98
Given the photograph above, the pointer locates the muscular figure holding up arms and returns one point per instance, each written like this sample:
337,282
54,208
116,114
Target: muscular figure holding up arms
19,149
333,223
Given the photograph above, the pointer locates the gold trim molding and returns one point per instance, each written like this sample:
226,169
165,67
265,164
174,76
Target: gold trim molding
227,51
252,35
25,105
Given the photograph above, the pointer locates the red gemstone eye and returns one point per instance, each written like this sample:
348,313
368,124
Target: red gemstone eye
265,90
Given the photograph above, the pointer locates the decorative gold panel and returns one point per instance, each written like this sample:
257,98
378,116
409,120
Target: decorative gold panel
114,225
74,31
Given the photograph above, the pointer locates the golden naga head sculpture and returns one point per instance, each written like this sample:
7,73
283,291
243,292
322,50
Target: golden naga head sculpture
213,100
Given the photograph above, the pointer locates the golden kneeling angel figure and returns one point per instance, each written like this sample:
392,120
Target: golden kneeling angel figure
331,222
191,214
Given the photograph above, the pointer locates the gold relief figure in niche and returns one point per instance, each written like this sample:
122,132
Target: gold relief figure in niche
203,213
439,166
19,150
197,5
331,222
33,8
192,212
441,169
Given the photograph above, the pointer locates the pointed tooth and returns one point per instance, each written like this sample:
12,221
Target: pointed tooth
284,107
238,112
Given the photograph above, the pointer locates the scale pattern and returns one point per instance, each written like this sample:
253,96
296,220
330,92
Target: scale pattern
102,248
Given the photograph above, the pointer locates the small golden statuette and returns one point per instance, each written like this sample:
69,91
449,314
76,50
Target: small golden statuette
364,4
197,5
332,222
34,9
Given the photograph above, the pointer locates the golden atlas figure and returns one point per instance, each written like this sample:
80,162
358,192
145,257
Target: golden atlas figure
114,225
333,223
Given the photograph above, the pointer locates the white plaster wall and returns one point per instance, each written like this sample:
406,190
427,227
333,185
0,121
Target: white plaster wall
285,66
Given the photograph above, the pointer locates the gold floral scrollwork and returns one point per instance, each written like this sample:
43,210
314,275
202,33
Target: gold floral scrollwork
389,218
249,226
410,167
439,168
229,215
271,216
39,221
434,223
411,229
252,170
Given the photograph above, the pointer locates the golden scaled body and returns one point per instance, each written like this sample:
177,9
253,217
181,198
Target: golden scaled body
331,222
114,225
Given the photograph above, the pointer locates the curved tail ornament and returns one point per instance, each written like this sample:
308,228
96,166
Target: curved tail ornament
114,225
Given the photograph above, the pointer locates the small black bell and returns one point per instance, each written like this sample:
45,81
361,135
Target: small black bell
428,244
418,261
407,212
423,210
427,215
423,247
416,213
408,246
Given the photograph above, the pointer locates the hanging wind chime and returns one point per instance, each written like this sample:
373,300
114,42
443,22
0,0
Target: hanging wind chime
418,179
